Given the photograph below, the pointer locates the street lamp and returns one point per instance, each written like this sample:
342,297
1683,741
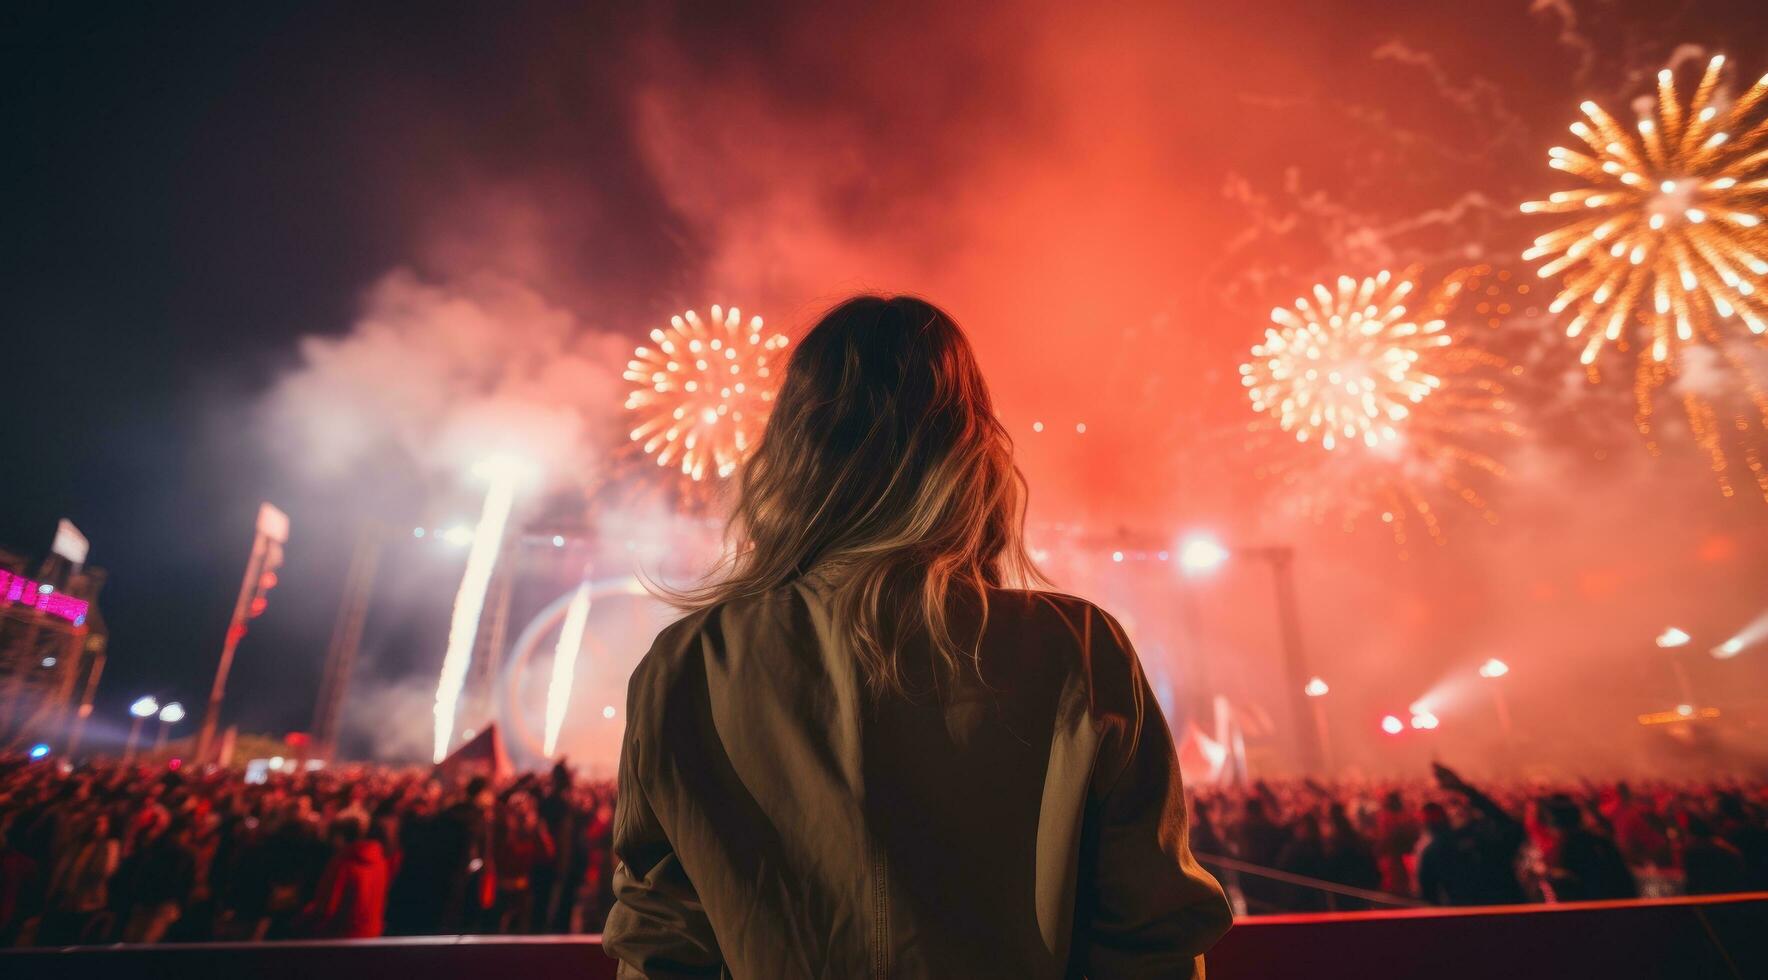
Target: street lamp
144,708
1674,639
1671,638
170,715
1316,689
1491,670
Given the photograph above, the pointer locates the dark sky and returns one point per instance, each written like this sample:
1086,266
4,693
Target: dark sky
188,192
1109,201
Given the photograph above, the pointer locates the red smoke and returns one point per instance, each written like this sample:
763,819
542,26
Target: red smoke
1110,203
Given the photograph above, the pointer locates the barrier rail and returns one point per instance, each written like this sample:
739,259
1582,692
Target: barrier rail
1709,938
1237,866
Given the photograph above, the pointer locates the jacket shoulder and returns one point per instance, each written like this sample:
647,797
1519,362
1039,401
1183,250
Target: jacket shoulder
1083,640
684,641
1095,631
673,643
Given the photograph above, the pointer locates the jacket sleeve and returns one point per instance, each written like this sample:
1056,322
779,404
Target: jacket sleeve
1147,909
657,928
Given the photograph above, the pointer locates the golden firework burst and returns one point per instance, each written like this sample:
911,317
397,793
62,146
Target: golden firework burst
704,390
1668,233
1668,239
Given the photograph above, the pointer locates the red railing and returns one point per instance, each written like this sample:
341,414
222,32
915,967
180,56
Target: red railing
1714,938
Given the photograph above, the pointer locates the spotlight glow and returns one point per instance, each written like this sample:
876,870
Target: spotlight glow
1200,554
564,667
469,602
1494,668
1392,725
1316,688
145,707
1730,648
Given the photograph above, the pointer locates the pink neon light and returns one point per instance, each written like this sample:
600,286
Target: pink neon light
23,591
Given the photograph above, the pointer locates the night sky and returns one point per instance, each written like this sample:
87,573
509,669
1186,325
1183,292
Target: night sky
1110,203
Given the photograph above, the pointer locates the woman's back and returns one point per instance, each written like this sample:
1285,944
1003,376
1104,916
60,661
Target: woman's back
779,820
861,755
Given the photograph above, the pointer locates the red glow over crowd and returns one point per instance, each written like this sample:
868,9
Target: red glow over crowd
1352,846
106,853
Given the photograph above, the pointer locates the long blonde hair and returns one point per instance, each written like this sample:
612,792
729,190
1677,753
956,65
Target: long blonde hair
882,456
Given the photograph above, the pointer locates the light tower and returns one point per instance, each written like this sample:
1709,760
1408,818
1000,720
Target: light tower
346,638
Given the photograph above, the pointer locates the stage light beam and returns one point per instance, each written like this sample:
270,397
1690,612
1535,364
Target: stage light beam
564,667
469,602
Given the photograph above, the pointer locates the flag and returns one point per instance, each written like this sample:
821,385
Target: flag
483,755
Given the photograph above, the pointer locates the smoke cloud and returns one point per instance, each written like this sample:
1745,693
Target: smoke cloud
1110,202
438,376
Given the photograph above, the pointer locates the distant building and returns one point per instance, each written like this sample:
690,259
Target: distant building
52,644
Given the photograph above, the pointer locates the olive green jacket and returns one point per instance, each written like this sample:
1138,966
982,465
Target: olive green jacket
775,821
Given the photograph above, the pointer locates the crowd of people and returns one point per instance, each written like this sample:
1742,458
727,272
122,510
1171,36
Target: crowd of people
109,853
1447,842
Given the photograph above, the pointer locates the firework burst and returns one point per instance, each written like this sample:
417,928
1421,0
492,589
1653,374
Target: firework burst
1667,240
1402,407
704,390
1342,367
1668,232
